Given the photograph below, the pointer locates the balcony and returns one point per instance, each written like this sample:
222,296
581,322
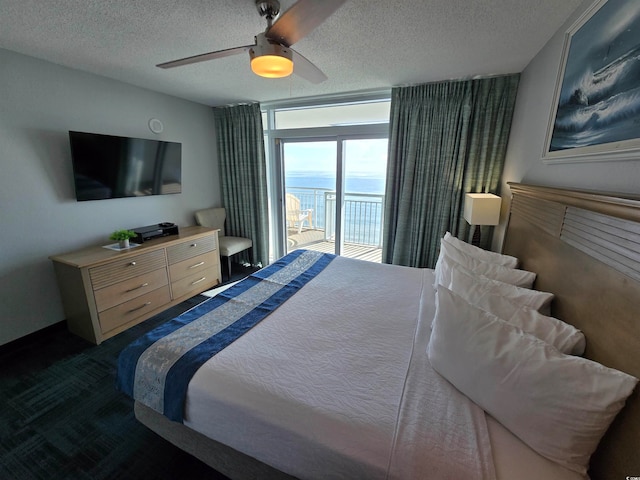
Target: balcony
362,231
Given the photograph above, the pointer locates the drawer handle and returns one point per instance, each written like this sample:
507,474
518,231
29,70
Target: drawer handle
136,288
133,264
198,281
194,244
146,304
197,265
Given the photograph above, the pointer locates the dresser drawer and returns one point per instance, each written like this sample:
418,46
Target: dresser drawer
126,290
128,311
124,269
195,283
190,249
191,266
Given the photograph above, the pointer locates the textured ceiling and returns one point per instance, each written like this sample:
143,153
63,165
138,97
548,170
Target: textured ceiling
365,45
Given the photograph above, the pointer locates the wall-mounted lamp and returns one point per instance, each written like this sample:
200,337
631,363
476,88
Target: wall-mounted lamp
481,209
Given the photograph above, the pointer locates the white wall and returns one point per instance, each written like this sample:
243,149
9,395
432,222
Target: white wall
39,216
526,143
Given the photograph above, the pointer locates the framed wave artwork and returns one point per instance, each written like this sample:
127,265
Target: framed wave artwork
596,113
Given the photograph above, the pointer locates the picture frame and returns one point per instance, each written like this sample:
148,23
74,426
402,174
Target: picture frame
596,111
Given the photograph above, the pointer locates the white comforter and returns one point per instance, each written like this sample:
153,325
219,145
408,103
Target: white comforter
336,384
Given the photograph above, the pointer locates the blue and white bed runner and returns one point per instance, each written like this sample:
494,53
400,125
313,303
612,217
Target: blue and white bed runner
156,368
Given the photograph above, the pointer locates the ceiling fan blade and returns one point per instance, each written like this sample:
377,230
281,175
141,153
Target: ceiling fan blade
305,69
303,16
205,56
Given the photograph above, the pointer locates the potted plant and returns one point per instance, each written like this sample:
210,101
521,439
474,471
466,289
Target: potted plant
122,237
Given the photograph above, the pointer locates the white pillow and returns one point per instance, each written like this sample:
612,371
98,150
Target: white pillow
480,253
449,255
559,405
561,335
472,287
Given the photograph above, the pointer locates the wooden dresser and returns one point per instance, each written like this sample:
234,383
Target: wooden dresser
104,292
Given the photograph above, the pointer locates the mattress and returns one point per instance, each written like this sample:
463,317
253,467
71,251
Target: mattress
336,383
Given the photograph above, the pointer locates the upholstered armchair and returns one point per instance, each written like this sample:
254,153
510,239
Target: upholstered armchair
215,218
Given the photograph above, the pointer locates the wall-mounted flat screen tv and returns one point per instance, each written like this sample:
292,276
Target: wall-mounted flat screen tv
106,166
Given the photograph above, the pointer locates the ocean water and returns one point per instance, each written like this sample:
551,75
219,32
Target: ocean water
363,203
354,183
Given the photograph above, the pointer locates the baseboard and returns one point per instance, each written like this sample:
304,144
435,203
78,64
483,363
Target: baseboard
28,339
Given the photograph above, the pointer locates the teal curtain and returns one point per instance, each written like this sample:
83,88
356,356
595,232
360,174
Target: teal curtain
446,139
243,174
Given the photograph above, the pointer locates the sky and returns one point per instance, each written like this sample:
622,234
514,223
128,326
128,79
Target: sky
363,157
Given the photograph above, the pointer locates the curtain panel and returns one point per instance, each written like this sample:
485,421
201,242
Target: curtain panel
243,176
446,139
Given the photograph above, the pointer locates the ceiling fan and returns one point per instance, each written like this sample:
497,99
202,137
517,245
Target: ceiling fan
271,55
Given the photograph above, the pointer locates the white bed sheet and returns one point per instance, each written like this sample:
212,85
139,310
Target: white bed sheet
365,421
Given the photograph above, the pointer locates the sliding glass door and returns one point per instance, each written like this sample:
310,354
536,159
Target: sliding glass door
309,184
333,190
365,166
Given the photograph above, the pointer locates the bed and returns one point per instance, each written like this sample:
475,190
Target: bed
332,382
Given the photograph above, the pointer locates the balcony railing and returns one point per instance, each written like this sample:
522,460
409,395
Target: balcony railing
362,218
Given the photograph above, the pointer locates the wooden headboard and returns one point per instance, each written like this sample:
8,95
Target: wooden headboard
585,248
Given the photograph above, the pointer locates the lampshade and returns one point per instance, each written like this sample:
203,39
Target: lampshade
482,208
270,59
272,66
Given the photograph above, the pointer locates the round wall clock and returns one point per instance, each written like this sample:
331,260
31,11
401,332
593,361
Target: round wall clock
155,125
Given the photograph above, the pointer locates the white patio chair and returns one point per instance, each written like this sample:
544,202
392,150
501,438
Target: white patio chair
295,215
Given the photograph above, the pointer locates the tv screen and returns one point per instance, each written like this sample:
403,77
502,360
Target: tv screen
106,166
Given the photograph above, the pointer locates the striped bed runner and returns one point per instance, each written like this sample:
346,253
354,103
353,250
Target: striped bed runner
156,369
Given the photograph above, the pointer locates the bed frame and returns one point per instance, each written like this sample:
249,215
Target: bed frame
585,247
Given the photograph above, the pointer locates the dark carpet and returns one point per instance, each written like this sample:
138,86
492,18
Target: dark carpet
62,418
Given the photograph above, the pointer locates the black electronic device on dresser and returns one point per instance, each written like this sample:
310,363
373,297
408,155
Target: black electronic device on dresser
158,230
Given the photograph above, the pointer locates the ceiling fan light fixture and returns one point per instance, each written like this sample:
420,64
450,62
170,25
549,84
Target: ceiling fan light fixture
271,54
270,59
272,66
